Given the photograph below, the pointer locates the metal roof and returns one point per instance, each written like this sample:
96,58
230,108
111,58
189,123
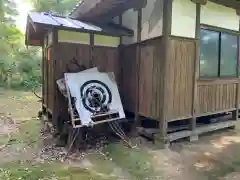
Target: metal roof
94,9
75,8
49,19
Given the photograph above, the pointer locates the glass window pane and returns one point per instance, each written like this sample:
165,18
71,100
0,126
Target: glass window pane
228,55
209,48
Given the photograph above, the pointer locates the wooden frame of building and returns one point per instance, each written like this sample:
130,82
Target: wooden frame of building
69,45
158,67
164,81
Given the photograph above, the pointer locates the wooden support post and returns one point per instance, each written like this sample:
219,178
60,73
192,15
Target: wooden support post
194,136
46,72
138,57
43,77
120,23
91,55
161,138
236,113
56,93
120,55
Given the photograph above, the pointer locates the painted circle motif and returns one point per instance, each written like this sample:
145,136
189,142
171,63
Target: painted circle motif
95,95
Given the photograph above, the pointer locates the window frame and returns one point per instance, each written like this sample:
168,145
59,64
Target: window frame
220,31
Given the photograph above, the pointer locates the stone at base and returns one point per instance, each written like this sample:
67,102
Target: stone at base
193,138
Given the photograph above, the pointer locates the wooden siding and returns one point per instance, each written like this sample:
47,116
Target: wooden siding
180,78
50,81
44,76
216,96
106,59
68,51
148,52
151,78
128,77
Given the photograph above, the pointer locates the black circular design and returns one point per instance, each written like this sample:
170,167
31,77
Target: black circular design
96,97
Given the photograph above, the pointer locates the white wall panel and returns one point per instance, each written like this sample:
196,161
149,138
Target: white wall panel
183,18
129,20
217,15
152,19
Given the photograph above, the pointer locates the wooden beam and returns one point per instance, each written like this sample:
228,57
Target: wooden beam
109,13
167,23
195,73
235,4
43,76
236,113
201,130
53,65
138,60
201,2
120,21
91,51
103,9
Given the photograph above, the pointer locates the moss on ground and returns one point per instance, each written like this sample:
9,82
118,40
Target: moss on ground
28,134
135,162
25,171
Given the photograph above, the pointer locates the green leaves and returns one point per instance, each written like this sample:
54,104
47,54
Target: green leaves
21,67
62,7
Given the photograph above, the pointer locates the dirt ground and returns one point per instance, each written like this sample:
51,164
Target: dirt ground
28,153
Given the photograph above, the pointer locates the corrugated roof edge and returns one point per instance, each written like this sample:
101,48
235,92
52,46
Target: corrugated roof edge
106,29
75,8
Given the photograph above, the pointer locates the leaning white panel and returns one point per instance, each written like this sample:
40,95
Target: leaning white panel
95,91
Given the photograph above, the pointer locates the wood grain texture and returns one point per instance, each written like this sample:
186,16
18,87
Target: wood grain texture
128,76
107,60
50,81
150,78
44,77
216,96
180,71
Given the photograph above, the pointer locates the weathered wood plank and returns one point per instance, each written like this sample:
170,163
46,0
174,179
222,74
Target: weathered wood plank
180,77
216,97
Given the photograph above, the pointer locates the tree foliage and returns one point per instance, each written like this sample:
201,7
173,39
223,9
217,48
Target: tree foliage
62,7
21,67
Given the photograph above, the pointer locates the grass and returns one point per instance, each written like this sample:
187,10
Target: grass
16,171
28,134
135,162
18,103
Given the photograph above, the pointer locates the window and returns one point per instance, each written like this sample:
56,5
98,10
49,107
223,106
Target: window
218,54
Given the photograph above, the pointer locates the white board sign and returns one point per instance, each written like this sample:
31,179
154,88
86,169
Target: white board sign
95,93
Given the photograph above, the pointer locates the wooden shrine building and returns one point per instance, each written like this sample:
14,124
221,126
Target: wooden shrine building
173,59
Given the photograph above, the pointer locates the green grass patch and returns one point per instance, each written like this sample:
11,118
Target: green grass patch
135,162
16,171
101,164
29,134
